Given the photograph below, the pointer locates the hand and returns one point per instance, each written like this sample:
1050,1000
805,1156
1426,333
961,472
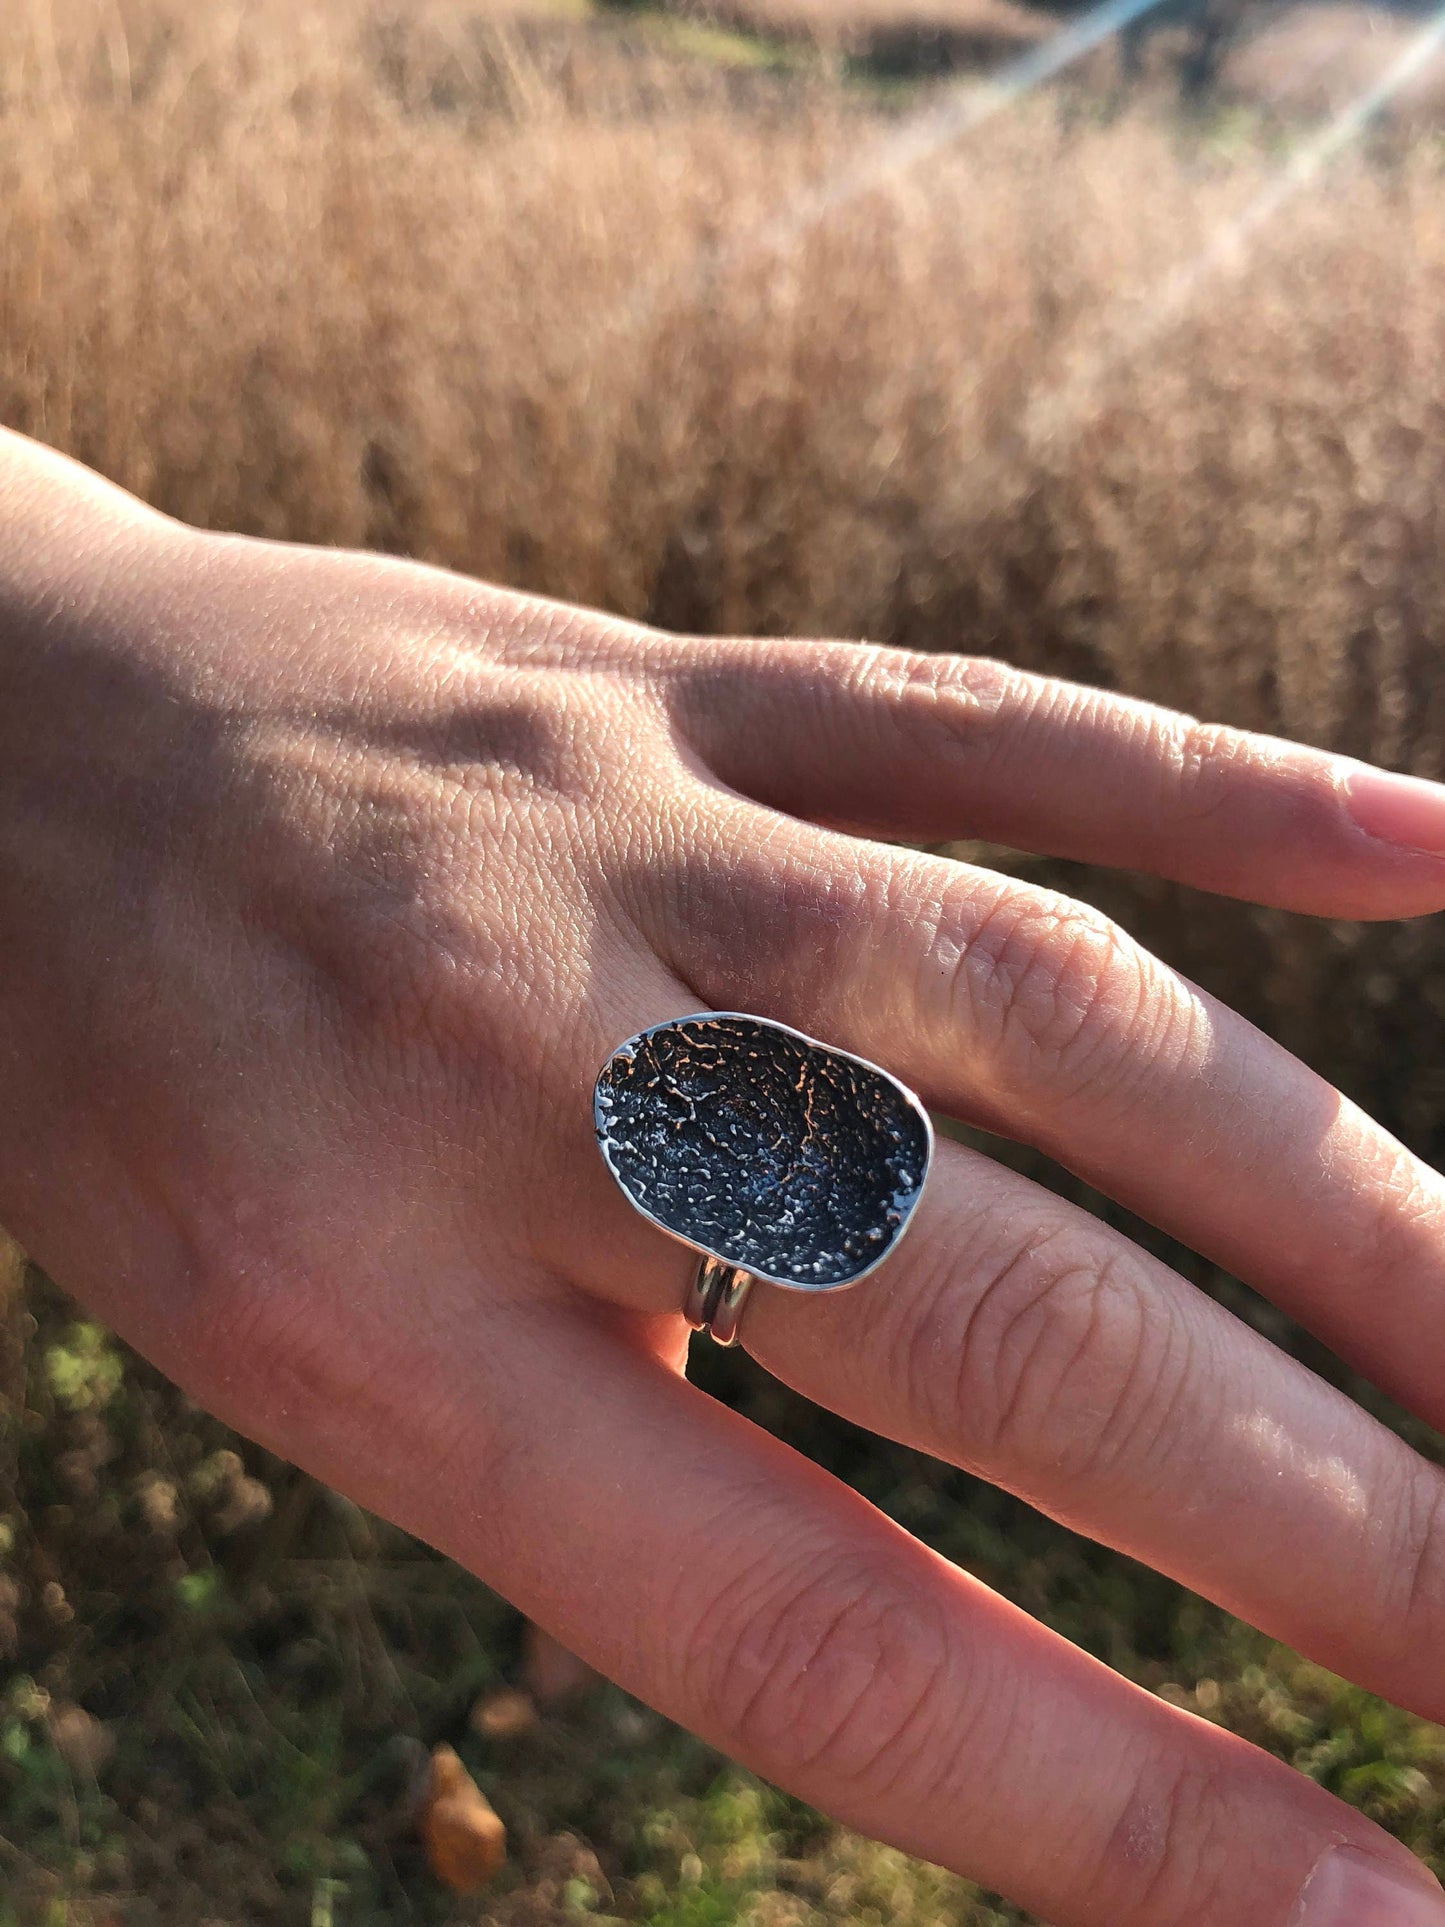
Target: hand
328,881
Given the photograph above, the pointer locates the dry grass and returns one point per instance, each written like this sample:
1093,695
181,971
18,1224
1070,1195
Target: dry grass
888,36
426,282
352,282
524,296
1313,59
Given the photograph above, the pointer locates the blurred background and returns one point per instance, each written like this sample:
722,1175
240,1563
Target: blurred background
1107,342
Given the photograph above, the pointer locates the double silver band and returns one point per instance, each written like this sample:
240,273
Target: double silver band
716,1298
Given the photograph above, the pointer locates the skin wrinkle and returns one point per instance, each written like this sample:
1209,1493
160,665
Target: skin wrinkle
1399,1209
970,1388
783,1693
924,1359
1190,1048
1138,1427
744,1600
1423,1560
1096,970
1208,763
962,702
1039,969
1039,1345
1213,773
1168,1033
838,1667
1053,1361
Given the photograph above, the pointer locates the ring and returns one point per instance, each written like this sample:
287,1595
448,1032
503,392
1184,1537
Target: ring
775,1157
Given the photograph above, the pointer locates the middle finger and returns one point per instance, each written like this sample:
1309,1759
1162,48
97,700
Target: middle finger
1032,1015
1015,1334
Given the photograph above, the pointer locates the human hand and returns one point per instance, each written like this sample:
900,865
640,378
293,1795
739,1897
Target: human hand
327,882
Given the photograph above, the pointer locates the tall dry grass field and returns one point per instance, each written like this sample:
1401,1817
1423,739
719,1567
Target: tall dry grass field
549,299
531,297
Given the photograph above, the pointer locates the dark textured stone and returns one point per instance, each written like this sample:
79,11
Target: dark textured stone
799,1163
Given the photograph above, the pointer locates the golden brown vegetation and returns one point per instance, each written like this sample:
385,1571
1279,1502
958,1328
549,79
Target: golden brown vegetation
416,280
551,300
342,281
896,36
1314,59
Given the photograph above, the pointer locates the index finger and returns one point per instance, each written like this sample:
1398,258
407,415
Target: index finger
930,748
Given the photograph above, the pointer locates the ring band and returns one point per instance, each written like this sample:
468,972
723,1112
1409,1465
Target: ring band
778,1159
717,1295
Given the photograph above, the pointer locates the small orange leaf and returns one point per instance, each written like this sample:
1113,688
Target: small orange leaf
465,1841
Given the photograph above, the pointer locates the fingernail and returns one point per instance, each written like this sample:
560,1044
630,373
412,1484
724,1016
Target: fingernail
1403,810
1349,1888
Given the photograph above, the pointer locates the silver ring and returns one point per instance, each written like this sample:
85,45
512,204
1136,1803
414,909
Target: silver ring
715,1297
775,1157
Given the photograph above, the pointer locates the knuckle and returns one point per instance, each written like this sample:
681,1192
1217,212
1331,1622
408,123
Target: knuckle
838,1668
375,956
943,705
1052,982
1166,1859
370,914
1204,762
1057,1365
1050,990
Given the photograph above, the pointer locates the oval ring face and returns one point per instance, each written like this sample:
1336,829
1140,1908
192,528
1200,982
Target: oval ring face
762,1147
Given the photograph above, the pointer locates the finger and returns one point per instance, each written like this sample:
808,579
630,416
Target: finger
1015,1335
730,1583
1036,1017
932,747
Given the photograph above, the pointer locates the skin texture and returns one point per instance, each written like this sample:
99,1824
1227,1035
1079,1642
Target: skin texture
328,881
